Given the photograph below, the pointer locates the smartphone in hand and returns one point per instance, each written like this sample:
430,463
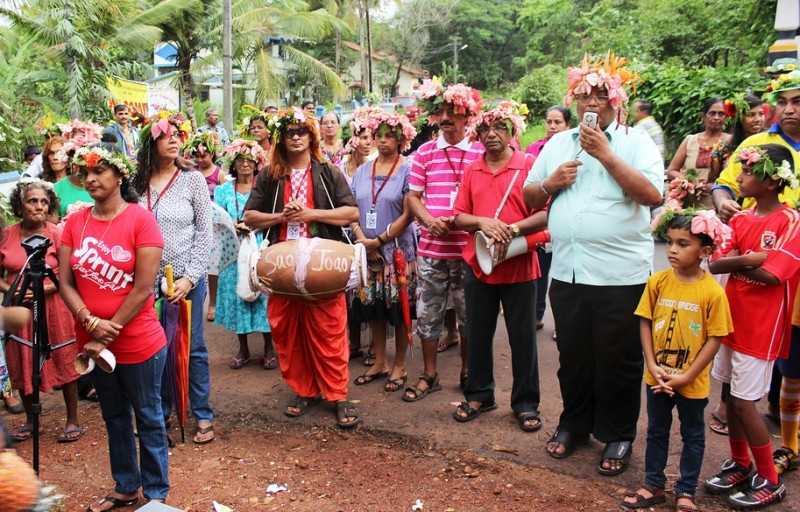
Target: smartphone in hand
590,119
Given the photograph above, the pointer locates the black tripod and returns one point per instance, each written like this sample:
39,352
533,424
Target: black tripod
31,278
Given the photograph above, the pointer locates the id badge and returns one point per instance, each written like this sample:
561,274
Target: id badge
372,219
453,195
293,231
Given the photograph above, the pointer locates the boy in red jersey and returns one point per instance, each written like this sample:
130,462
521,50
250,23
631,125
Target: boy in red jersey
761,292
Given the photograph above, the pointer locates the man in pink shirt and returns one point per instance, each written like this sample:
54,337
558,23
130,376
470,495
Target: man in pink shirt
437,170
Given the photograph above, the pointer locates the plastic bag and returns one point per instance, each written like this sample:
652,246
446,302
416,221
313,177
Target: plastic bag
247,248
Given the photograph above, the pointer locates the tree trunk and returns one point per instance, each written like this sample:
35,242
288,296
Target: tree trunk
74,100
397,77
187,86
338,50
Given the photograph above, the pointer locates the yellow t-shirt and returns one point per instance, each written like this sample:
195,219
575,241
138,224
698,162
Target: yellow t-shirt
727,177
684,316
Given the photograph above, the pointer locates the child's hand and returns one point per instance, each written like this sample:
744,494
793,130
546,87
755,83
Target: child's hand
662,388
658,374
677,381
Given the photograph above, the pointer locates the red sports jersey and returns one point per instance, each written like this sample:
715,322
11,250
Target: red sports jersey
762,313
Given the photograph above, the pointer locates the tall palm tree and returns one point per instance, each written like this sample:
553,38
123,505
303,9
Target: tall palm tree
255,21
79,34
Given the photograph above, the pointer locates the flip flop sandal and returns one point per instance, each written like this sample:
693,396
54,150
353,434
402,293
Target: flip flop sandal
300,403
718,426
393,385
237,363
346,410
15,408
72,435
657,498
414,394
615,451
564,438
524,420
198,436
471,412
369,377
269,362
21,433
115,503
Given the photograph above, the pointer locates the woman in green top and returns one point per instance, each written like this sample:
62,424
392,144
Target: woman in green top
69,190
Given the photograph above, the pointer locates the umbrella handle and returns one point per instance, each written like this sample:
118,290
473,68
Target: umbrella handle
170,275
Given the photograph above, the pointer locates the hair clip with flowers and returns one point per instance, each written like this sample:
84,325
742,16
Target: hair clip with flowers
167,122
758,162
91,157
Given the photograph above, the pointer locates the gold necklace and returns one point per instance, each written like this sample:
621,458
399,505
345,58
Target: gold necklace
110,221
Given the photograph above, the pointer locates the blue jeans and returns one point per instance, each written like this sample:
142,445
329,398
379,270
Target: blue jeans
136,388
693,434
199,373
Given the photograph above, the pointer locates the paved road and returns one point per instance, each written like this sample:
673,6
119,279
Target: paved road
255,391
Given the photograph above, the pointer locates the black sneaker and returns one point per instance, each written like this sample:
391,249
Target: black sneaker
759,493
731,476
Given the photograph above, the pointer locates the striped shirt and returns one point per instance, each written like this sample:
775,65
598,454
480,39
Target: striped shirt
437,169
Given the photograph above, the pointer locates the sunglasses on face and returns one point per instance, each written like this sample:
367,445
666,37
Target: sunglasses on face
299,132
583,98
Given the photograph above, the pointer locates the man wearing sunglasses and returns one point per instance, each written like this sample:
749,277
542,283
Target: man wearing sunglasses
300,195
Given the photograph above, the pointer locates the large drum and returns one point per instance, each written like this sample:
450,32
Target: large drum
309,268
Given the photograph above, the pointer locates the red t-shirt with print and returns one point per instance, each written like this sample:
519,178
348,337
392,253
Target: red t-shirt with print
103,263
762,313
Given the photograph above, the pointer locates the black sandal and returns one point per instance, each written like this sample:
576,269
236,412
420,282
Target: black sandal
414,394
565,439
300,403
785,460
369,377
345,410
115,503
615,451
657,498
471,412
524,420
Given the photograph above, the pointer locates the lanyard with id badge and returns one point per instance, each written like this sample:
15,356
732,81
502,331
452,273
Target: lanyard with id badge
372,213
293,228
458,173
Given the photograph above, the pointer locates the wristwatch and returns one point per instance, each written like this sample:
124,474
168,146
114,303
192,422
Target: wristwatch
515,229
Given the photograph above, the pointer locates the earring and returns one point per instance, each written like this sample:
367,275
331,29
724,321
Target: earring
119,182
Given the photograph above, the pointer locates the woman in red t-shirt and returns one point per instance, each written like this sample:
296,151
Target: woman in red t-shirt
108,260
33,201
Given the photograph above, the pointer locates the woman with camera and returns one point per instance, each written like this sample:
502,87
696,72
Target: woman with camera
108,261
33,201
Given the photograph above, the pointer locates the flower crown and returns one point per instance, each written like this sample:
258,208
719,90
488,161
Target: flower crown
361,117
704,222
244,148
26,181
166,122
397,124
91,157
762,166
207,141
79,133
247,112
784,82
609,73
278,123
504,112
432,96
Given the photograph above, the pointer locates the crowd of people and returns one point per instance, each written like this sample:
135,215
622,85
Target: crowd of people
460,225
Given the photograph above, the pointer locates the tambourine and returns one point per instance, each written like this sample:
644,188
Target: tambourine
309,268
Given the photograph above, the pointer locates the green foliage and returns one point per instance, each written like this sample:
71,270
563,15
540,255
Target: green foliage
677,93
489,28
541,89
533,133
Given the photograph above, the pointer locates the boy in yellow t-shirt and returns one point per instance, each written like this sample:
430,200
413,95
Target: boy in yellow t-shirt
684,312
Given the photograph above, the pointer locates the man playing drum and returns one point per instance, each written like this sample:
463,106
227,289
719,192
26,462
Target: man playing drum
301,196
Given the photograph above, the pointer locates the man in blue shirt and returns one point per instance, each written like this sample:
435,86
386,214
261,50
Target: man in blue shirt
214,126
127,136
601,183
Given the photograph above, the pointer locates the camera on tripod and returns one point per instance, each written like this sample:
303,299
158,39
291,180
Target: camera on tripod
36,245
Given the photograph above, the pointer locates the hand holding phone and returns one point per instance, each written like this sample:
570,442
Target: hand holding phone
590,119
